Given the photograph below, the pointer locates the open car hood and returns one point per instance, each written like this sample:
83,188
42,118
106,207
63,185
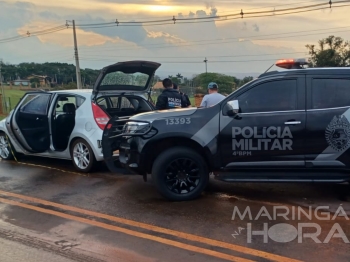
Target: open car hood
129,76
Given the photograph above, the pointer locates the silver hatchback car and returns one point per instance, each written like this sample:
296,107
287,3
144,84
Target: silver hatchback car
69,124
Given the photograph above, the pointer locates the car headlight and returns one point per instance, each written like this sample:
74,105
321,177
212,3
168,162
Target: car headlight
136,128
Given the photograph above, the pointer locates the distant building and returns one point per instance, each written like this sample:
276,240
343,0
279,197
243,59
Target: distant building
21,82
158,85
43,80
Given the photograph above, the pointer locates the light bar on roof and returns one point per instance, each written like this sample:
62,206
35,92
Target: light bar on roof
291,63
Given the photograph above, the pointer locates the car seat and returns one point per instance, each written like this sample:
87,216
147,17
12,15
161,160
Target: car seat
64,126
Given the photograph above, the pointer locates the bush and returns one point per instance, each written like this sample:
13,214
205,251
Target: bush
201,90
70,85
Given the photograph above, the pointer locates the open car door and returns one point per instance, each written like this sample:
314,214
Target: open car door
30,122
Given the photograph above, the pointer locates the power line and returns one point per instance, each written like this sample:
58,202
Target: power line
225,41
35,33
275,12
242,14
218,12
223,18
274,6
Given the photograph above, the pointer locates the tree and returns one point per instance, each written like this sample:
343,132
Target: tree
226,83
34,82
175,80
245,80
179,76
333,52
63,72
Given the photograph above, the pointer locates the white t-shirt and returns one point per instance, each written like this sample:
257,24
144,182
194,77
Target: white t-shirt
212,99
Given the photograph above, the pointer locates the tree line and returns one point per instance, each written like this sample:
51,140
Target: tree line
331,52
63,74
58,73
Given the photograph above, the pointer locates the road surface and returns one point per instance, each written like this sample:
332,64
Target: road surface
48,212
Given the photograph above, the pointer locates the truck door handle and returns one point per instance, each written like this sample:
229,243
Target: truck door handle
292,123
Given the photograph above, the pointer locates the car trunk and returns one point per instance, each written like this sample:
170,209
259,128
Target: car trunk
121,91
124,105
117,109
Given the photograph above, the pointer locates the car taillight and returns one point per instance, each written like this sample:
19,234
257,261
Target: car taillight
100,116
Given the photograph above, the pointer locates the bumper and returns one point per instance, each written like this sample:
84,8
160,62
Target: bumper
132,160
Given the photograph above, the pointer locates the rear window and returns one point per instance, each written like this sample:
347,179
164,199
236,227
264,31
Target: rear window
330,93
116,79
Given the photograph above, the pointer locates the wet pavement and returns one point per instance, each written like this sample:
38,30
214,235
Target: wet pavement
49,208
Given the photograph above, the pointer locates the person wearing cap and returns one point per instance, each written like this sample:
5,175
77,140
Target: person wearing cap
186,98
213,97
170,98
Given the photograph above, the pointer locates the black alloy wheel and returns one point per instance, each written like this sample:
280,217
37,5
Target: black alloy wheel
180,174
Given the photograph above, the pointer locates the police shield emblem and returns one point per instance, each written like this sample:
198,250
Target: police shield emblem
338,133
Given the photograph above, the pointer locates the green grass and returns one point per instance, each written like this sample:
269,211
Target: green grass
2,117
13,96
192,101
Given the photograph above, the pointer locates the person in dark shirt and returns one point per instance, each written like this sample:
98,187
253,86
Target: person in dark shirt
170,98
185,97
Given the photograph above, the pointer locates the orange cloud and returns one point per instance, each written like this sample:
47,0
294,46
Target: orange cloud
65,37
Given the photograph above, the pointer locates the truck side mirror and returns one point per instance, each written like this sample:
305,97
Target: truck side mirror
232,108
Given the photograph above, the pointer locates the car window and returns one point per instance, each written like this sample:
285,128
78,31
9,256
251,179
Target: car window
102,102
114,101
125,103
36,104
80,101
62,100
330,93
280,95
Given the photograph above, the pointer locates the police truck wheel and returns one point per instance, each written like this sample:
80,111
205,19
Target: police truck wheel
180,174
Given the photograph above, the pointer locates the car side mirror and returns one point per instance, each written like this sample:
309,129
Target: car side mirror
232,108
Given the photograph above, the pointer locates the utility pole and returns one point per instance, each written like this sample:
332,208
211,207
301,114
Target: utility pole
205,61
2,90
77,67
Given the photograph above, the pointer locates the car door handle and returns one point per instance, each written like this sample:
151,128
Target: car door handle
292,123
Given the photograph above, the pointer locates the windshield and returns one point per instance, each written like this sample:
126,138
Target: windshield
134,81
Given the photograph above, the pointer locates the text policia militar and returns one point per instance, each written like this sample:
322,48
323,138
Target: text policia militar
266,138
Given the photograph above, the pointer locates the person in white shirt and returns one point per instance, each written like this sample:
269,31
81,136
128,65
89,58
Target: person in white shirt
213,97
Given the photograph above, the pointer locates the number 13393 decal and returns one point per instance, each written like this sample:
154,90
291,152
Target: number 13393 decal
178,121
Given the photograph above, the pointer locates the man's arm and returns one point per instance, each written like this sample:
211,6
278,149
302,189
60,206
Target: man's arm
162,103
188,101
204,101
183,101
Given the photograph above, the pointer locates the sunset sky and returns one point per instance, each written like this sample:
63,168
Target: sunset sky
237,47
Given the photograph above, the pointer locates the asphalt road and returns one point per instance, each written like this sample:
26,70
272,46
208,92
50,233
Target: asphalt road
48,212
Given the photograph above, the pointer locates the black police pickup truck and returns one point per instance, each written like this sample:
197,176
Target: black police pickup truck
285,126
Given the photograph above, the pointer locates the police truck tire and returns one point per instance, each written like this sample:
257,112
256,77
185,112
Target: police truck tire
180,174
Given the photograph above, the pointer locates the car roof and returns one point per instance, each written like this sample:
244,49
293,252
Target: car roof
87,92
78,91
311,71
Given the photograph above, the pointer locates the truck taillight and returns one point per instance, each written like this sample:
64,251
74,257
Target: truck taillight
100,116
